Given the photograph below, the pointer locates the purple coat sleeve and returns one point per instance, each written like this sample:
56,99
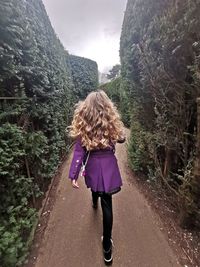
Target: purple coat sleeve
78,156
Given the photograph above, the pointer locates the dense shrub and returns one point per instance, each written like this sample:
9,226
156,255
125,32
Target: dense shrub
35,70
140,151
114,90
160,51
84,74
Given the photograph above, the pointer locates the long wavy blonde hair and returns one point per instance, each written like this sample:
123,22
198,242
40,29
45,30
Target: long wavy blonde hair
96,121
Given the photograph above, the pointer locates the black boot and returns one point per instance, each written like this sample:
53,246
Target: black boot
108,257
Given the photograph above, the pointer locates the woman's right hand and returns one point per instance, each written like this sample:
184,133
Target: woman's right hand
75,183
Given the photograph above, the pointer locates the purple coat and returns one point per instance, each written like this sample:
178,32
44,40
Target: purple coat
102,171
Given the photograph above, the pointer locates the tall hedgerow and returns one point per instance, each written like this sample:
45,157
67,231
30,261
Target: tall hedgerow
37,99
160,51
84,74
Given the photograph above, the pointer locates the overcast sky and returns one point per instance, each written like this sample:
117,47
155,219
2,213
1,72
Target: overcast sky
89,28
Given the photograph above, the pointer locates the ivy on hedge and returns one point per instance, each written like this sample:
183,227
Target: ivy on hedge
34,67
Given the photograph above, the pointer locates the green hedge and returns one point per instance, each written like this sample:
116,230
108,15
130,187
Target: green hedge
85,75
160,58
119,96
35,68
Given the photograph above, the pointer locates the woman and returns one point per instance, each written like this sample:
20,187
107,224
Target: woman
97,127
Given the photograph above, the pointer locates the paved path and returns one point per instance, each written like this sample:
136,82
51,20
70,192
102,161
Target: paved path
72,237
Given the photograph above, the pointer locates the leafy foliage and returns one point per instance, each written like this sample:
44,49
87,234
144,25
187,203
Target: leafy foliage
114,72
114,90
159,50
36,70
140,150
85,75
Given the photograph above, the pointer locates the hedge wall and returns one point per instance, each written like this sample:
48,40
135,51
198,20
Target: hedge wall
35,69
85,75
114,90
160,52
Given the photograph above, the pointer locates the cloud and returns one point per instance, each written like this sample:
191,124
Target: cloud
89,28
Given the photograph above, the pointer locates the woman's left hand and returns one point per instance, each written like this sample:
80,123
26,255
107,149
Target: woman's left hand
75,183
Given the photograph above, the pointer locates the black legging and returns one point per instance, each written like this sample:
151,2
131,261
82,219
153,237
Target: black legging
106,204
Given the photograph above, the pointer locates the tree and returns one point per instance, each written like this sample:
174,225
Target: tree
114,72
